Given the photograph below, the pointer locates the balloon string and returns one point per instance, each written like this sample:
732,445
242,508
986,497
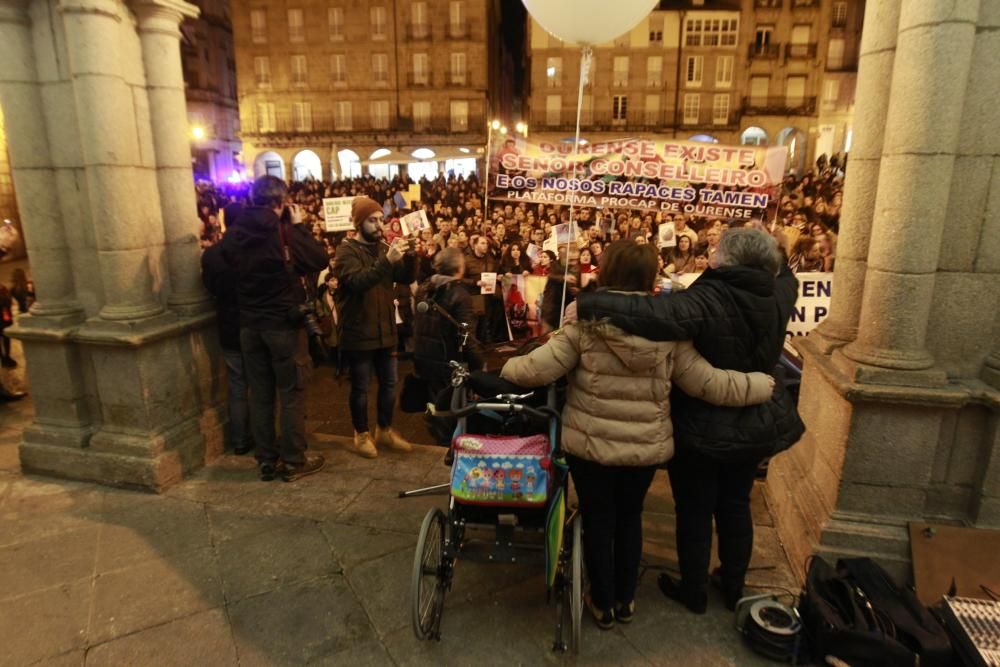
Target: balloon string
586,54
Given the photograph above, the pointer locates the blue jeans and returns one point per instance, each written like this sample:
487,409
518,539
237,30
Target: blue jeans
239,407
362,362
276,362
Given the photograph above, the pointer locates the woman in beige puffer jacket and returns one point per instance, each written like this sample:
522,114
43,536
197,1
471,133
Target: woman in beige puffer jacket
616,425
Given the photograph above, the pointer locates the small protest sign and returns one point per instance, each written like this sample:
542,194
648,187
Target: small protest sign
337,214
414,223
665,236
489,282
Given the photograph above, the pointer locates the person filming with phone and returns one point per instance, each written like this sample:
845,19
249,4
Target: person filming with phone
366,268
271,252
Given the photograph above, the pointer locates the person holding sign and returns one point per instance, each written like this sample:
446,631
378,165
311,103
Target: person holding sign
480,271
366,269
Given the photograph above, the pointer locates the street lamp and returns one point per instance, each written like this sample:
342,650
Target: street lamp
503,130
522,128
495,124
197,132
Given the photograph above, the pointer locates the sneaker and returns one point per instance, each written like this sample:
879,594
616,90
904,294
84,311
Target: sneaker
313,464
387,437
695,601
268,471
625,612
604,618
364,445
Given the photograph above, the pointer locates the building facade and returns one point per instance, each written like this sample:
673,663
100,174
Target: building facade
324,87
733,71
209,65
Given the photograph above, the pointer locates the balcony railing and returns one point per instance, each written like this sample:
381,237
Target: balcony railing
361,123
765,51
418,31
767,4
459,30
418,79
458,78
779,106
805,4
846,63
565,120
800,51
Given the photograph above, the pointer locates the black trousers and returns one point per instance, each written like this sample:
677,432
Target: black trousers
611,499
704,488
276,363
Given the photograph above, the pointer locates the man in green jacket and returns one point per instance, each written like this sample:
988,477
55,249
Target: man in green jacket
366,269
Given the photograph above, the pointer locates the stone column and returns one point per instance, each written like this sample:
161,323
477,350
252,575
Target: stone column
878,51
34,173
110,148
160,35
933,56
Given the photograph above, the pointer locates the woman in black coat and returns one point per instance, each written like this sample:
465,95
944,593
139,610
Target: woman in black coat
736,315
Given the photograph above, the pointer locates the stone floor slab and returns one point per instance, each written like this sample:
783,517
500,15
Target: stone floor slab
353,545
318,497
299,625
35,565
160,528
411,468
45,624
379,507
154,592
205,635
275,559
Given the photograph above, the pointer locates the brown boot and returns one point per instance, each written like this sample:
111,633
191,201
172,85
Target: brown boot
364,445
387,437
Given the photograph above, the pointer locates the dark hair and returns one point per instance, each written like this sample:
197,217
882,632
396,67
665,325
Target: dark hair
628,266
269,191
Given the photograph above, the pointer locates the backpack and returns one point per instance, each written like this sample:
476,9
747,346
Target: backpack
858,614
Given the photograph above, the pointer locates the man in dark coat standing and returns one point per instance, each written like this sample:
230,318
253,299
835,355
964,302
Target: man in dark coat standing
270,253
736,314
366,269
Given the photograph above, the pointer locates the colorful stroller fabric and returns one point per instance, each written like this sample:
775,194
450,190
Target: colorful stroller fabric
501,470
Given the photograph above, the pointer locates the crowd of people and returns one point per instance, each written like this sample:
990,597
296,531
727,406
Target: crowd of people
511,242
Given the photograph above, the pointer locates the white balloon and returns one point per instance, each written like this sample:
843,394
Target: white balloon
588,22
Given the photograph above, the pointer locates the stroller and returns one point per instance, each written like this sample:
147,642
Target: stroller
512,485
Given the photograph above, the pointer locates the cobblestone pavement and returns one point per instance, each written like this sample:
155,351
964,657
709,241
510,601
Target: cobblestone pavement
224,570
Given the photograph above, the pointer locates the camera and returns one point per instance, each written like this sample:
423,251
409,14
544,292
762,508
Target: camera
304,314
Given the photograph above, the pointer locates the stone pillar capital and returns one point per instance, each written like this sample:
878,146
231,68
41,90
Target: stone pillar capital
106,8
14,11
163,16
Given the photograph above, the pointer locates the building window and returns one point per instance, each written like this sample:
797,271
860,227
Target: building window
553,72
418,19
458,71
621,72
692,107
724,72
258,26
839,16
459,116
338,69
655,28
759,89
380,115
262,71
654,71
421,116
835,53
380,69
652,109
553,109
694,70
302,116
456,18
619,107
295,30
831,92
711,32
420,77
720,109
265,117
795,91
343,116
378,23
762,39
335,18
299,74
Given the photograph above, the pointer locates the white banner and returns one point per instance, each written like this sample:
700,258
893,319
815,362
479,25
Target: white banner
337,213
813,304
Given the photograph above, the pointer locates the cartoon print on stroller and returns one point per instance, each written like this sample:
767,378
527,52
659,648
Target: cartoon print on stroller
513,486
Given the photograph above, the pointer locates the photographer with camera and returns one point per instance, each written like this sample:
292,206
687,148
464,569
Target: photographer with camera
366,269
271,252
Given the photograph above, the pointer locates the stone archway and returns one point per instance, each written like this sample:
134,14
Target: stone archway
795,140
754,136
269,163
305,165
385,171
418,170
349,164
704,138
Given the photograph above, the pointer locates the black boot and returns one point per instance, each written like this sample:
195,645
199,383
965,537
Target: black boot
694,599
731,592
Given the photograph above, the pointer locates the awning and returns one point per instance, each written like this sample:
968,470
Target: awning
442,153
393,157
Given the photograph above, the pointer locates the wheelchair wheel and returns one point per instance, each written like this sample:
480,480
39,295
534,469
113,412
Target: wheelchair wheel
576,587
428,585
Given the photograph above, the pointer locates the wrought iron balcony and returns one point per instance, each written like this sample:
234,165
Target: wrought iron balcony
800,51
779,106
765,51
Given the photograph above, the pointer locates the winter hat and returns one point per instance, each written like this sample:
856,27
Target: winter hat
361,208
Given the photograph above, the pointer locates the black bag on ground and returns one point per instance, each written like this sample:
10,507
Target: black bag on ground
858,614
415,394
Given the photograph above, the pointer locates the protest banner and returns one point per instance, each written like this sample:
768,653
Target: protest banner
732,183
337,214
813,304
665,237
413,195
